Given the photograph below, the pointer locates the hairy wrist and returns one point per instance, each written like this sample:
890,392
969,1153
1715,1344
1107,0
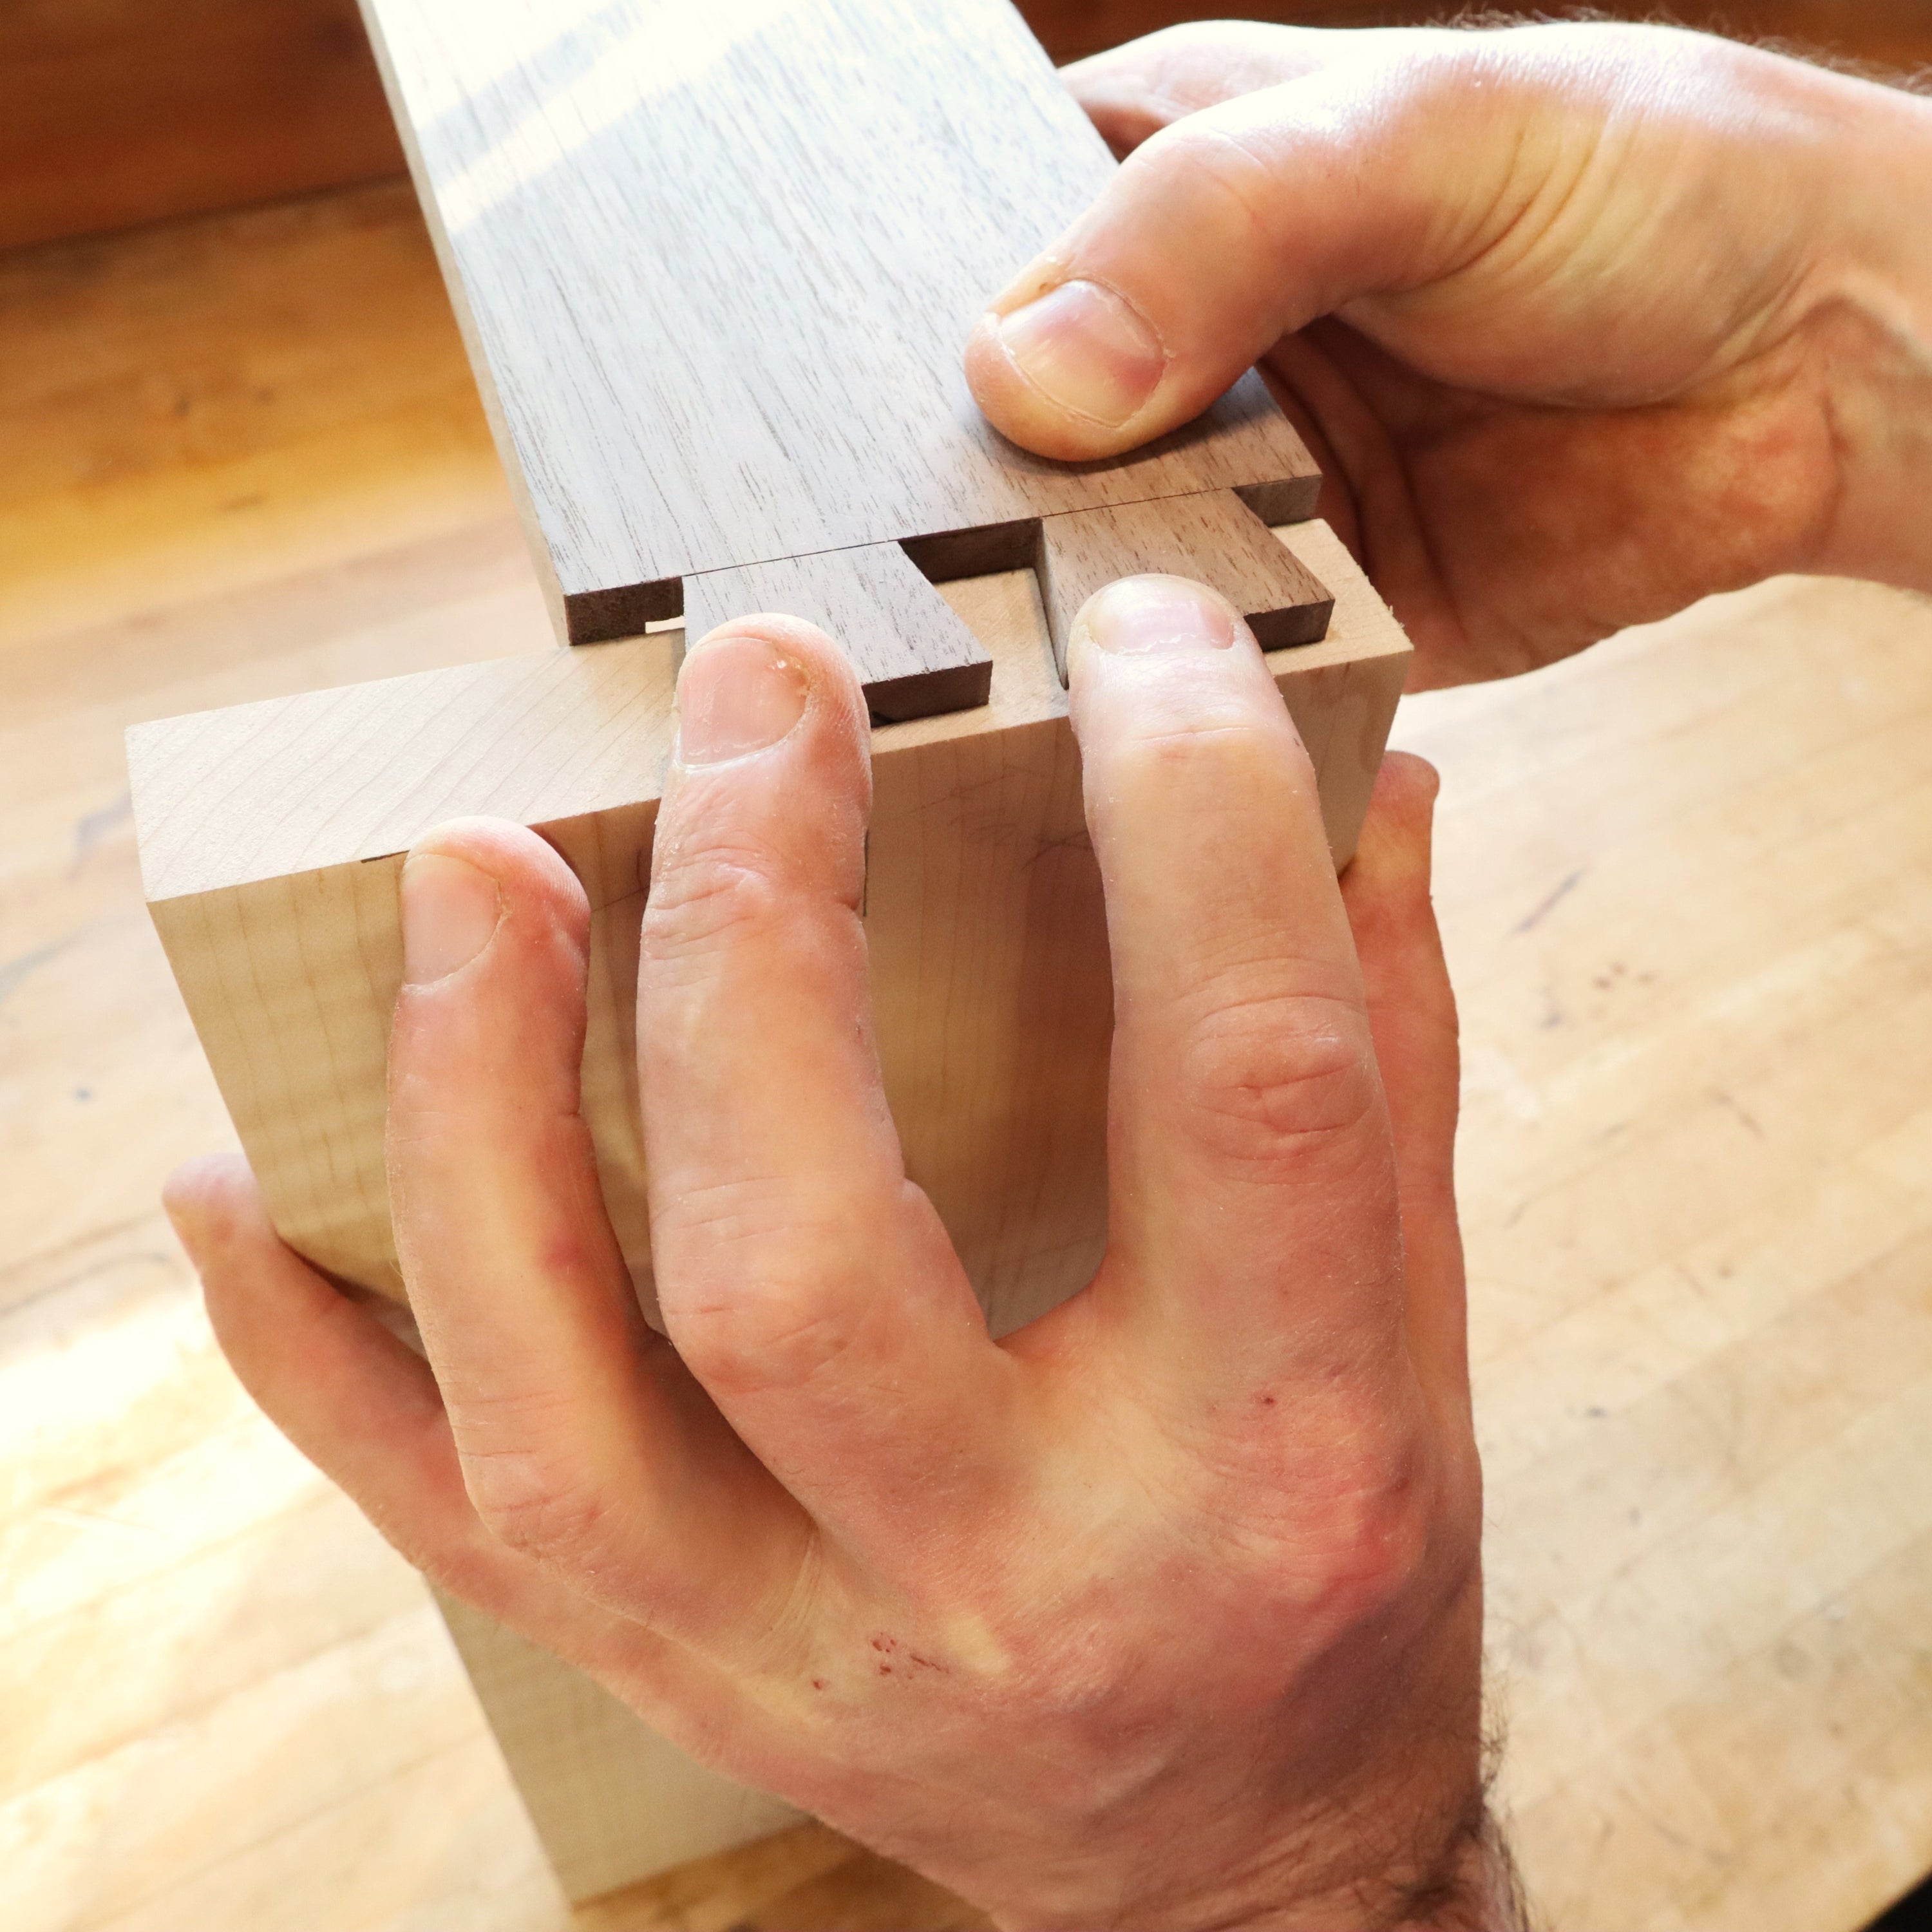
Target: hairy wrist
1414,1846
1470,1885
1419,1859
1478,1891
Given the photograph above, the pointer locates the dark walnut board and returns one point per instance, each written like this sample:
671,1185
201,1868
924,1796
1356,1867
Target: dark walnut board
715,264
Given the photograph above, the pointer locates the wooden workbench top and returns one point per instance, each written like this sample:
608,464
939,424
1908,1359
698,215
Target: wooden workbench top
1687,885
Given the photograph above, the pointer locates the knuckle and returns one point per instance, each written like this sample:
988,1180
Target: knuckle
708,894
1339,1505
531,1503
772,1303
1232,184
1398,1526
1262,1078
1375,1543
1225,733
528,1510
766,1341
1364,1530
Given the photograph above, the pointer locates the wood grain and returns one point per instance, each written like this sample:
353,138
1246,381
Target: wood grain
272,835
716,265
913,654
1681,883
1214,537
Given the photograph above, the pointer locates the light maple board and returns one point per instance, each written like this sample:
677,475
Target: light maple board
272,835
715,265
611,1800
271,839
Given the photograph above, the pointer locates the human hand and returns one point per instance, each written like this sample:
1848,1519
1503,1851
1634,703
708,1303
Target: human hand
1582,321
1165,1611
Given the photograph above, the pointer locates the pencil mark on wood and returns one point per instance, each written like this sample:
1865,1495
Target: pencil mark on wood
91,827
1533,920
14,973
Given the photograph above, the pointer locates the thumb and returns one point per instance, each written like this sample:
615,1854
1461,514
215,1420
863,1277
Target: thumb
1220,234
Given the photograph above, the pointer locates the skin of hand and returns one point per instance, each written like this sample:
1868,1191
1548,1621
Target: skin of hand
1583,322
1164,1611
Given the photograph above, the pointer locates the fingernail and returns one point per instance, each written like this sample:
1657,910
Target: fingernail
1083,347
1156,615
450,909
737,695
